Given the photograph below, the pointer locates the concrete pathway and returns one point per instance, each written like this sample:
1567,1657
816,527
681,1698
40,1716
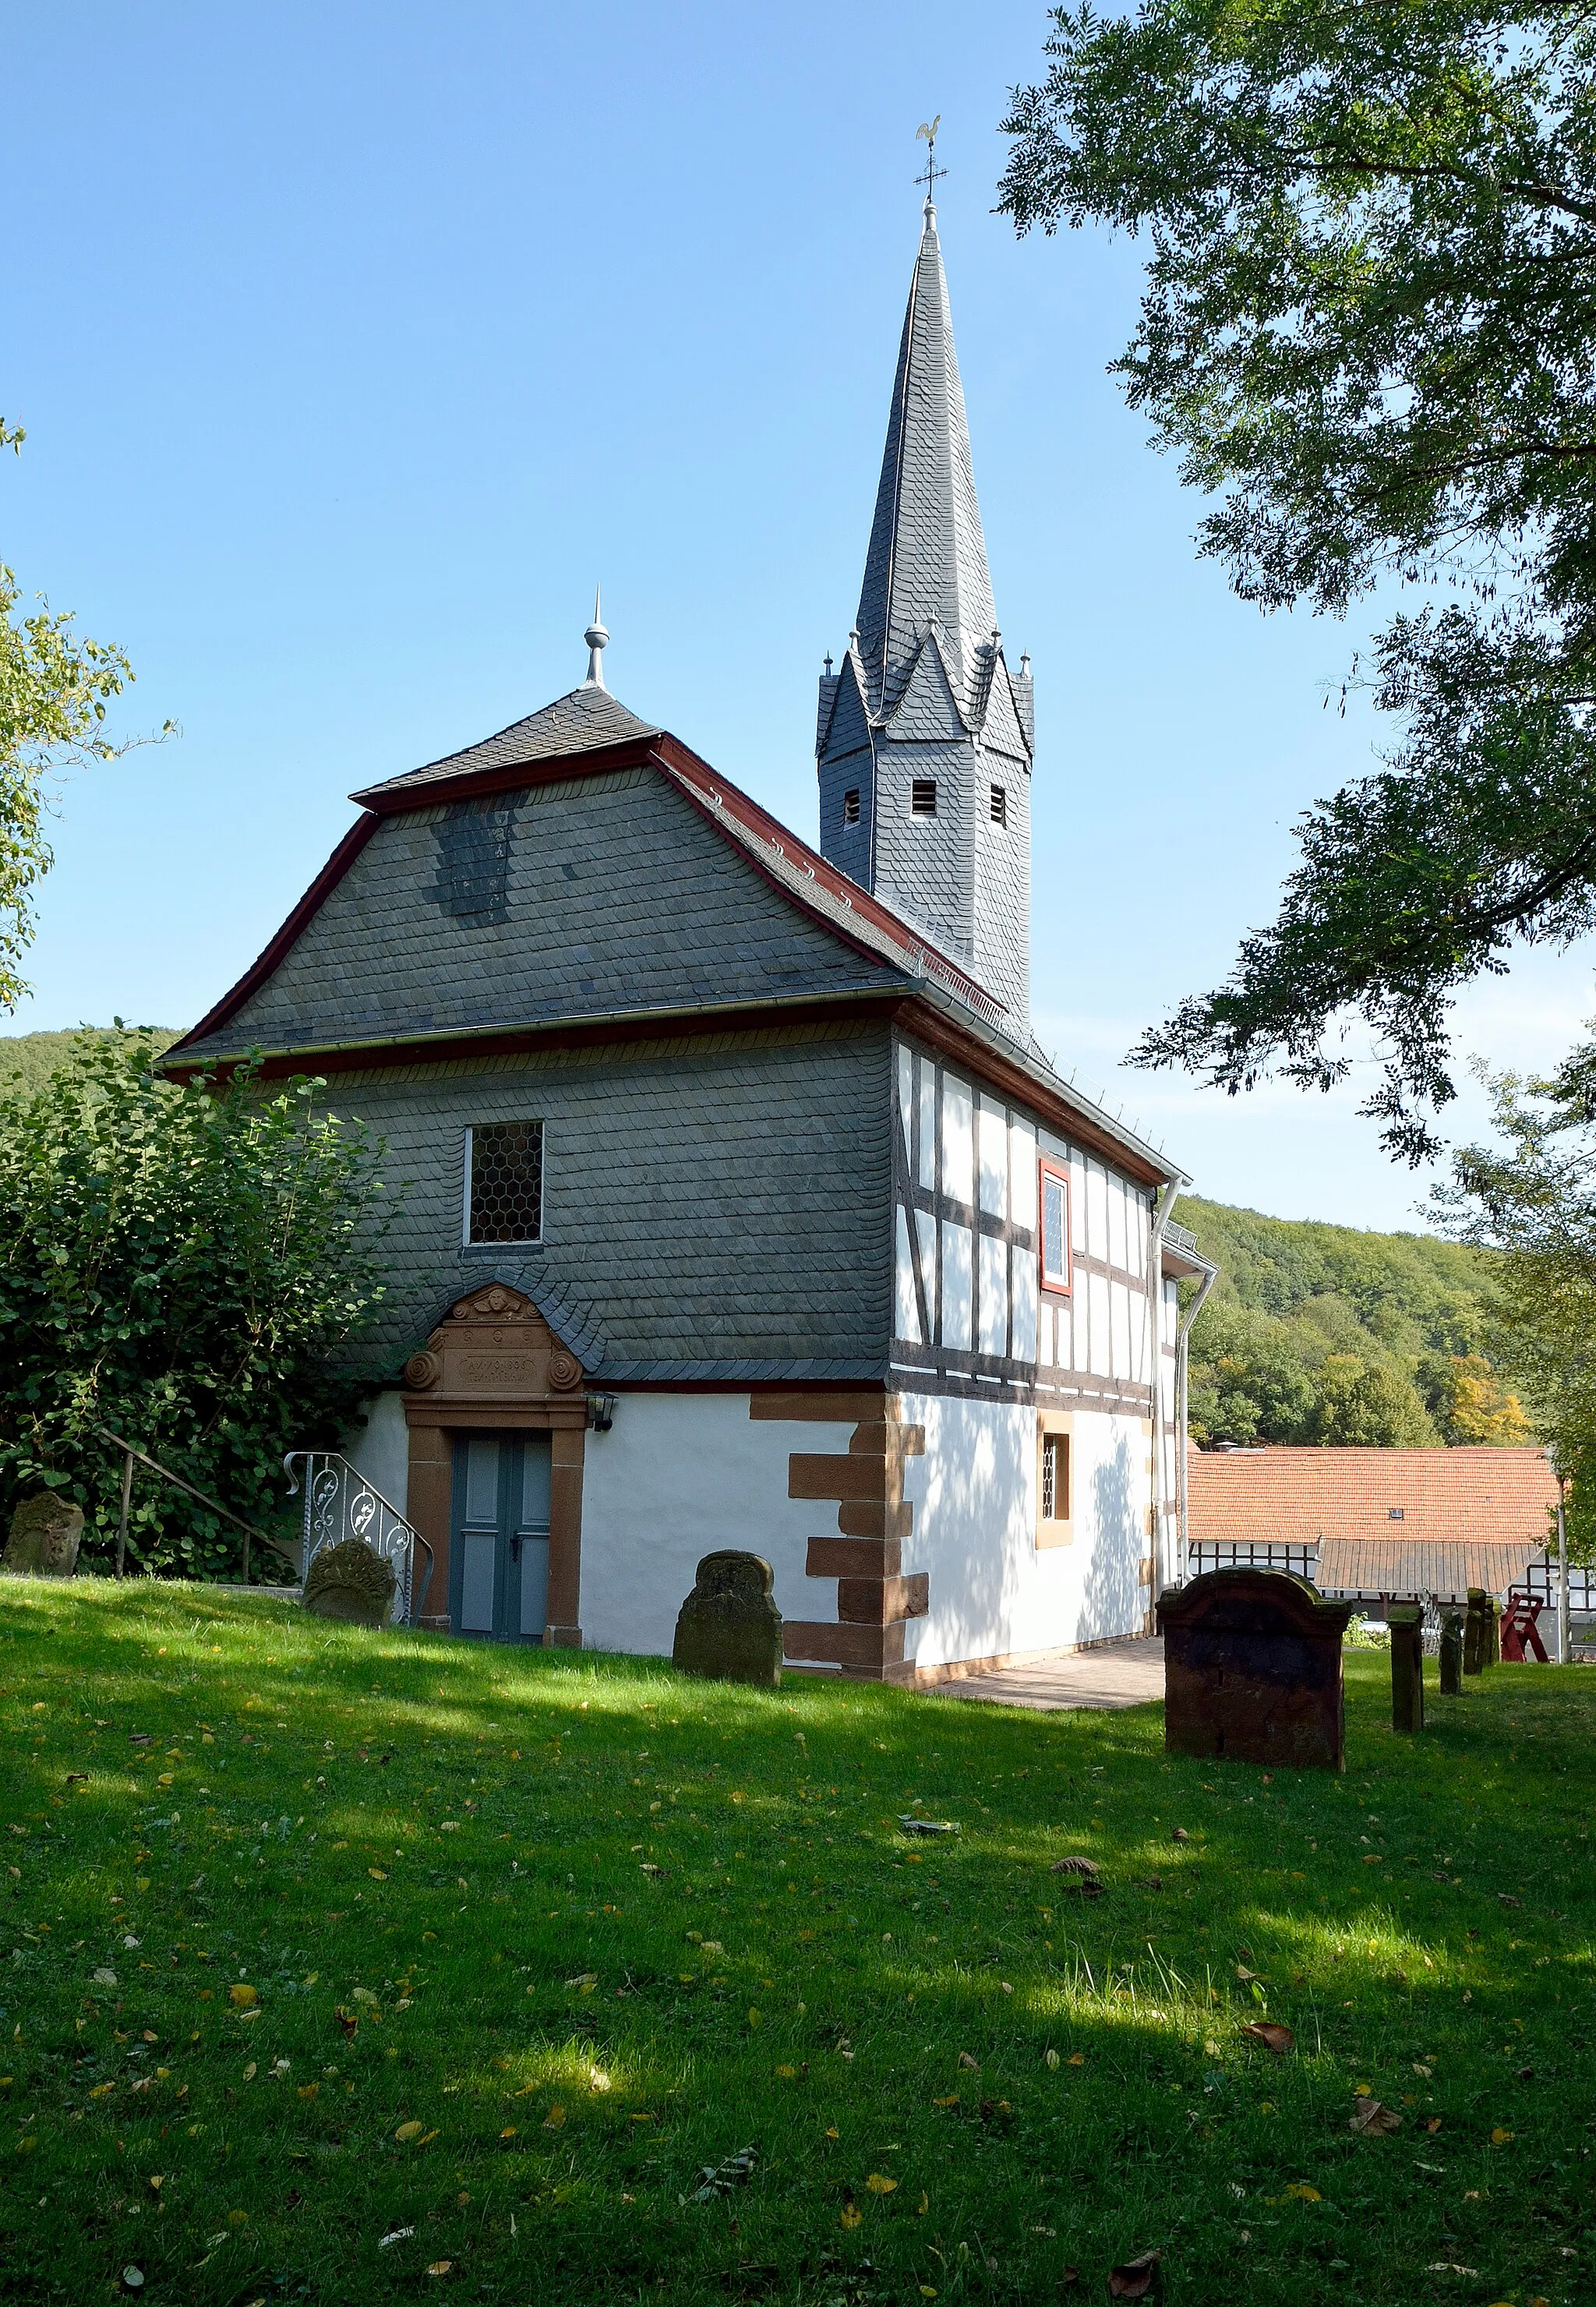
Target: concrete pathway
1112,1674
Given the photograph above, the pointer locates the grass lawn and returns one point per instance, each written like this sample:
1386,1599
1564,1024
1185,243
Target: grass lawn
349,1967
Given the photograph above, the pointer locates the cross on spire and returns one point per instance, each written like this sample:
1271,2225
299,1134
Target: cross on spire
927,129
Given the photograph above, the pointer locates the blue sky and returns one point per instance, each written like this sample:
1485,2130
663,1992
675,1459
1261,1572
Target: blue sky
354,341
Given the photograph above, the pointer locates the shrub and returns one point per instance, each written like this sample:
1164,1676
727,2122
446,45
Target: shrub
181,1263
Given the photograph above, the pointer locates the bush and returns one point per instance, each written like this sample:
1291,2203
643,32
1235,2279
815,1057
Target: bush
181,1263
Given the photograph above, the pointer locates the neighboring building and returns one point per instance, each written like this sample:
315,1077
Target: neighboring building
742,1210
1379,1525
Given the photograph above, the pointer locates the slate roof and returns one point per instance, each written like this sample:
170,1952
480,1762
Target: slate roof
1469,1516
927,556
583,722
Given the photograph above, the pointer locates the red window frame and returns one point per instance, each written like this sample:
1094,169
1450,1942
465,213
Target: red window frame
1052,1172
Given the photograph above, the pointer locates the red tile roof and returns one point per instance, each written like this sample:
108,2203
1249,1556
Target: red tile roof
1386,1521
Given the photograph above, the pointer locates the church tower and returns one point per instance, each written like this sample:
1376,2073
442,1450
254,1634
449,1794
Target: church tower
926,736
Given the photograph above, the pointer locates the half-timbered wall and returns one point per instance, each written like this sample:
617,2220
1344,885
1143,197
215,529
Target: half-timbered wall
967,1308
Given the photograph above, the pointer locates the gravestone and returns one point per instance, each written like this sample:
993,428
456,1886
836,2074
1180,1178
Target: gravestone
1252,1670
352,1581
1452,1653
729,1627
1482,1640
45,1532
1406,1621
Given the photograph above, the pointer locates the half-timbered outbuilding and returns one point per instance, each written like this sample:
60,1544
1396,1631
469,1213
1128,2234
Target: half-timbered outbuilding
741,1207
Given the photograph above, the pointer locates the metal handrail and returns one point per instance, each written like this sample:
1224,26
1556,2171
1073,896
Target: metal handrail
129,1453
340,1502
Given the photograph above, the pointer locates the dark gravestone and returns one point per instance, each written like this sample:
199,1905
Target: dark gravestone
1452,1653
1406,1621
1252,1670
45,1535
729,1627
352,1581
1482,1640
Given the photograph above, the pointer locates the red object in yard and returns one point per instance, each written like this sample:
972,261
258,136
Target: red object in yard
1519,1627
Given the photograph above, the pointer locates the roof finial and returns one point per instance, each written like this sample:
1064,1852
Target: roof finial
927,129
596,638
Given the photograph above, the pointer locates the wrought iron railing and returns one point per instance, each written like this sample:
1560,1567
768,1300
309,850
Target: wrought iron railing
339,1503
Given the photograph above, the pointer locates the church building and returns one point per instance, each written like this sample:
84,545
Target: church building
739,1206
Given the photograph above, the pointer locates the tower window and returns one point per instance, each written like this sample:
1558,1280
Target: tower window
922,797
1000,806
851,806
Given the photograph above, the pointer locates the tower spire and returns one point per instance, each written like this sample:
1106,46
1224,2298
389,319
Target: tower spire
597,639
924,741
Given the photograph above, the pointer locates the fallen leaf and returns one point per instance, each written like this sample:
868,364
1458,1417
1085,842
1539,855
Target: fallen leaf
1077,2058
409,2130
132,2279
509,2131
240,1996
1270,2033
1244,1975
103,1977
440,2267
554,2118
851,2213
973,2065
376,1874
951,2100
1134,2280
879,2183
1178,1834
1050,2058
1075,1867
394,2235
1499,2136
102,2091
1507,1899
1368,2116
426,2138
1303,2192
309,2090
250,2071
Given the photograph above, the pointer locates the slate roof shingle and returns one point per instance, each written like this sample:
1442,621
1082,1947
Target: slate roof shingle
582,722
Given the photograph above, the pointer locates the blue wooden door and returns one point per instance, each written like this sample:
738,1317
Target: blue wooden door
499,1553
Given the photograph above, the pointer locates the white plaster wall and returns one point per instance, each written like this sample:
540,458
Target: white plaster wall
682,1475
974,1495
381,1448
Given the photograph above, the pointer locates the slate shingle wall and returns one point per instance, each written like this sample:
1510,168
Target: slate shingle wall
584,897
713,1207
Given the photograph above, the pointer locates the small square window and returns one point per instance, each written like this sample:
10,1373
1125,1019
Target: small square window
1395,1513
1055,1477
504,1181
1000,806
851,806
1053,1234
922,797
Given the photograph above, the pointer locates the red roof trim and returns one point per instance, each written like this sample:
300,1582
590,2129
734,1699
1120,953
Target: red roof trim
510,777
266,962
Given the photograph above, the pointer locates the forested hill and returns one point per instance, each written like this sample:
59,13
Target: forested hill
1322,1333
28,1059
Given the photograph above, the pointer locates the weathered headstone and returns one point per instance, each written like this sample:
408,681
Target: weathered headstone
350,1581
1406,1621
1452,1653
45,1532
1482,1640
1252,1670
729,1627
